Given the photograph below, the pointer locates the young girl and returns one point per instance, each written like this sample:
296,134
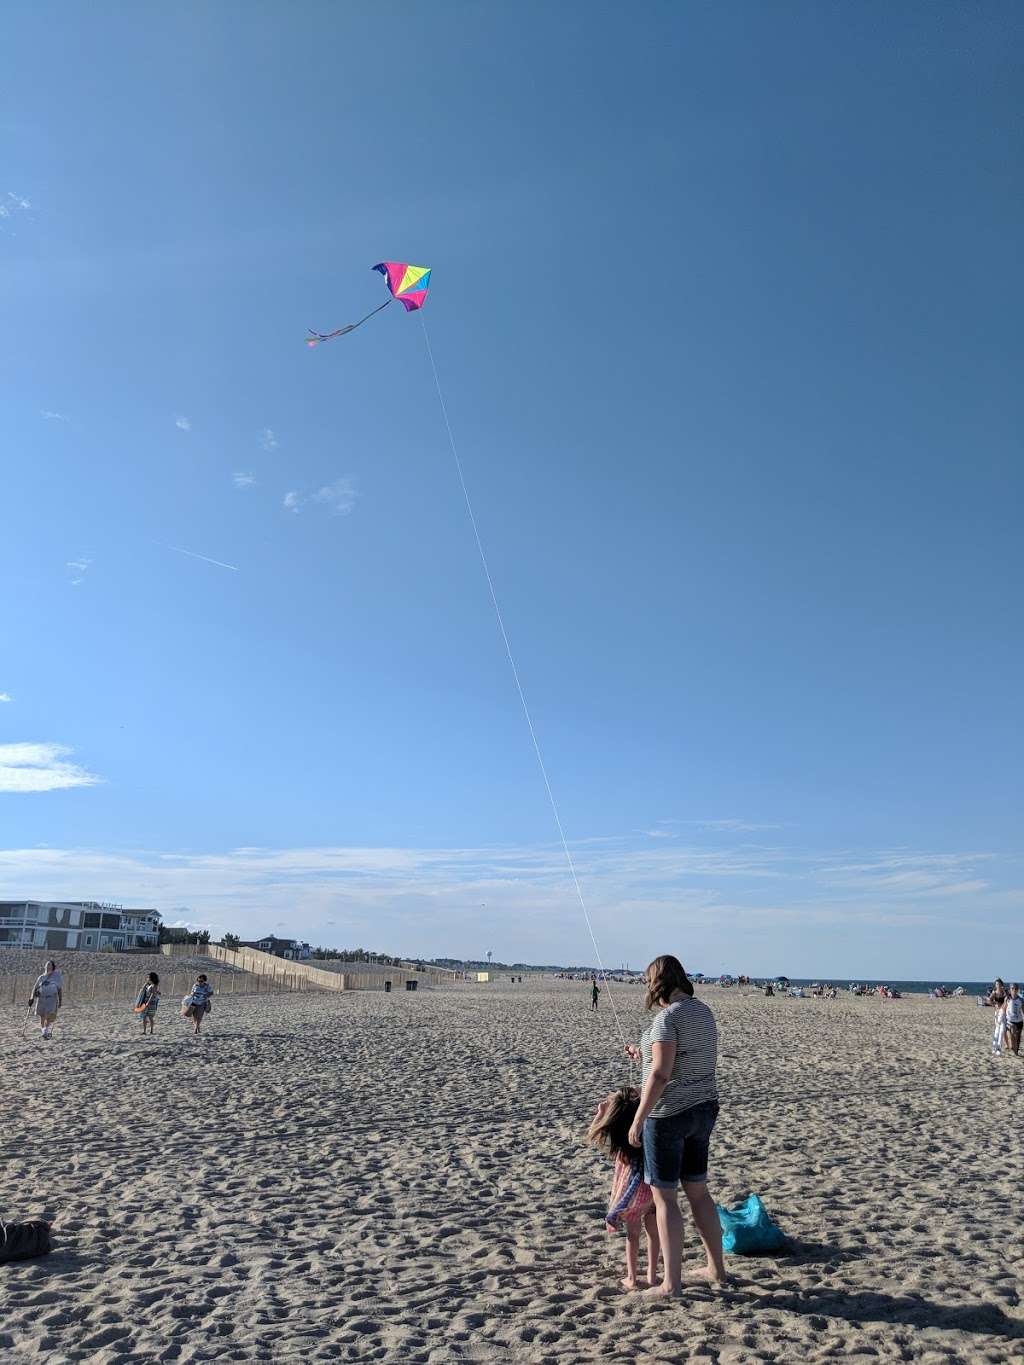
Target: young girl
146,1002
631,1202
999,1029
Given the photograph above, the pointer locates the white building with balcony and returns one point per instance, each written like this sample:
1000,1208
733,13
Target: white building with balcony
91,926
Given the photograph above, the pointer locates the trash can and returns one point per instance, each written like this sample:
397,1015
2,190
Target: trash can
387,986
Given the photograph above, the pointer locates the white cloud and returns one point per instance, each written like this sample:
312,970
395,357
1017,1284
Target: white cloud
723,909
267,439
905,872
188,924
52,416
729,826
6,696
339,497
40,768
79,568
183,424
243,480
663,828
14,203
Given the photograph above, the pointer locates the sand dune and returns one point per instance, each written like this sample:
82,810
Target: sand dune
401,1178
29,962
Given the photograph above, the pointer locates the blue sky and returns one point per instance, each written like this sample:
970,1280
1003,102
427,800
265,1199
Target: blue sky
726,310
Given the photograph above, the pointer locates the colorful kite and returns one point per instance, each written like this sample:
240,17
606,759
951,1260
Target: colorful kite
407,283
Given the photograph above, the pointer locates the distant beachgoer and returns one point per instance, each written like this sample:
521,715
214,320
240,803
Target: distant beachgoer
769,989
677,1111
1014,1008
594,993
147,1000
48,997
631,1204
197,1003
999,1029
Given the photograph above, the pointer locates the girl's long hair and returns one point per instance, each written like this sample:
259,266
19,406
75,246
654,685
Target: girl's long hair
665,975
611,1133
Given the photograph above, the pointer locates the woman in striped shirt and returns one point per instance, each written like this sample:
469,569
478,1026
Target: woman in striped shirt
677,1111
197,1003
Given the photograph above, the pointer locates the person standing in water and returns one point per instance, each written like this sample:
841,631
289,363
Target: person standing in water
48,997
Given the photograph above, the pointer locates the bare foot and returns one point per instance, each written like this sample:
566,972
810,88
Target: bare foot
662,1291
629,1283
707,1275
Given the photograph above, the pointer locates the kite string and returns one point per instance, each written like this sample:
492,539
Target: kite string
519,685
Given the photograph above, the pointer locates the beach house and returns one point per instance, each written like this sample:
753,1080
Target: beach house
289,948
85,925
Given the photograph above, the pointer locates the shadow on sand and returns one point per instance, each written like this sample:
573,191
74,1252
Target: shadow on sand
905,1310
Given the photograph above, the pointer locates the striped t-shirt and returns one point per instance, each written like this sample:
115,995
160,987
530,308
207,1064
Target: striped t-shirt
691,1026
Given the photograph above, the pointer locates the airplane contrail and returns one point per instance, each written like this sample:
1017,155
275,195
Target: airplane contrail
205,558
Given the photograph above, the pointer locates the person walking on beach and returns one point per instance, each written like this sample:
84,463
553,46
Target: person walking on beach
997,994
48,997
594,993
999,1029
146,1002
677,1111
1014,1018
197,1003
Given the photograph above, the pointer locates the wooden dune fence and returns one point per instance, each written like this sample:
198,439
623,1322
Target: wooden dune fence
316,978
84,988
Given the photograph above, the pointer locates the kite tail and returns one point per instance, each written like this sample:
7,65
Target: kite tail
315,338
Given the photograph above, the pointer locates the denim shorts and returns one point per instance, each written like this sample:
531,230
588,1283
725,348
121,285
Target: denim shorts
676,1148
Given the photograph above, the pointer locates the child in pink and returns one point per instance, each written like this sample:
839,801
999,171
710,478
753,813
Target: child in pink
631,1204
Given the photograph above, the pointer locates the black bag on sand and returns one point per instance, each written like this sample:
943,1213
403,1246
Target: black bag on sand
22,1241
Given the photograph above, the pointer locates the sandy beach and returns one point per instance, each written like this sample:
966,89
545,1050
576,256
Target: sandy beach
402,1178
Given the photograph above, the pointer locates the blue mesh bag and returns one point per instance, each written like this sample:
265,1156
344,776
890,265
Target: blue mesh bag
747,1229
